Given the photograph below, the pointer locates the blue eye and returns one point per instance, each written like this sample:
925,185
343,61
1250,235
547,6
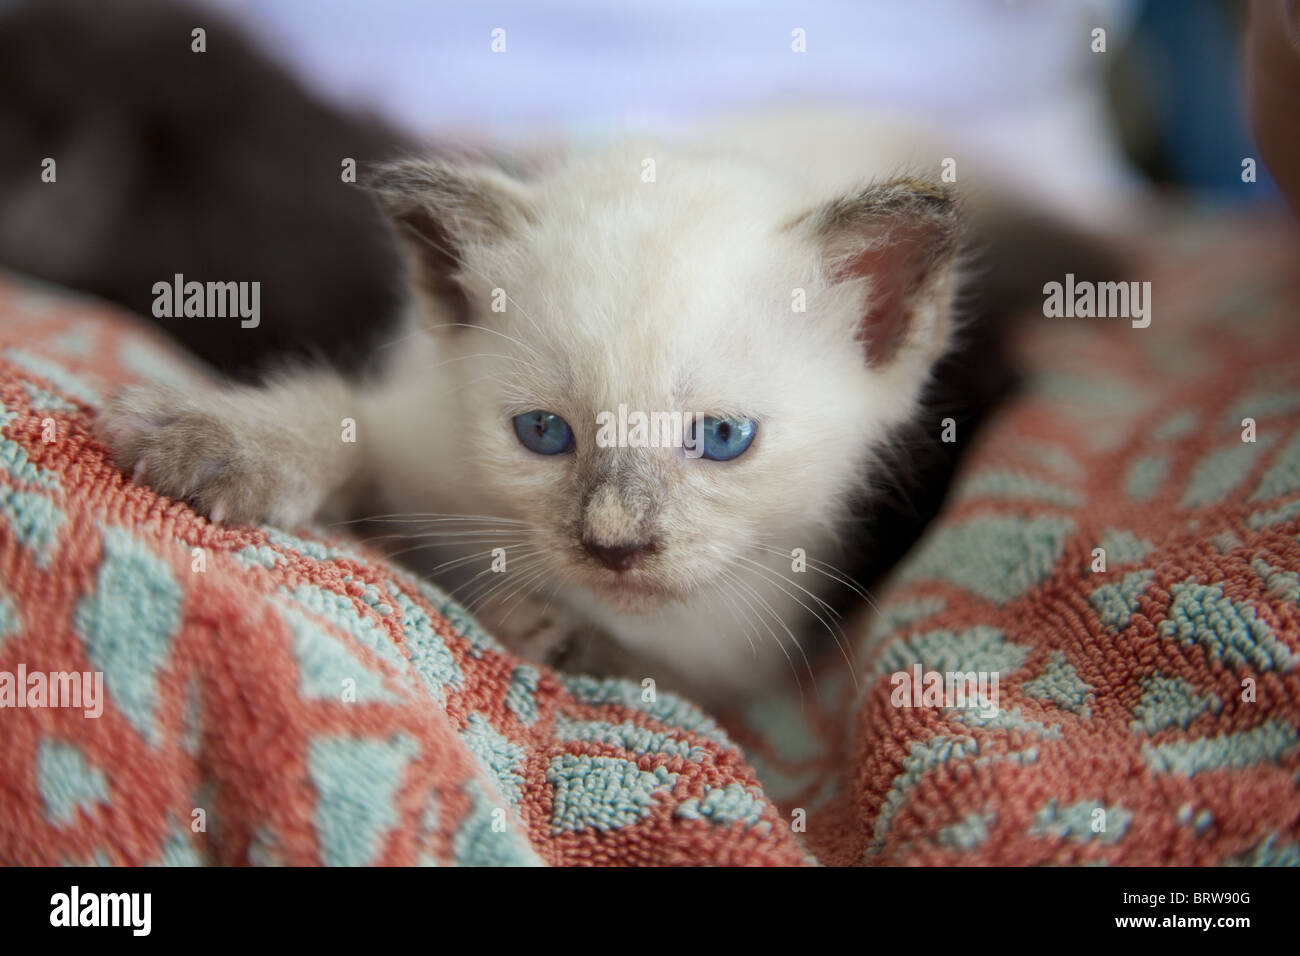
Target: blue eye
543,432
726,438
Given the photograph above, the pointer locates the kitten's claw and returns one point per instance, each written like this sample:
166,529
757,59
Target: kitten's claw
186,448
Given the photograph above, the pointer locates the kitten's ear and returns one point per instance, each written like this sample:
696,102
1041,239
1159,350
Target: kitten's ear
898,240
443,211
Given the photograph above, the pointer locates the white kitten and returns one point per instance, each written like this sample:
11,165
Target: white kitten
805,310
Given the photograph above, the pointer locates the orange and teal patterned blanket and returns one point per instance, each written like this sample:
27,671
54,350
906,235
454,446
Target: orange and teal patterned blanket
1121,550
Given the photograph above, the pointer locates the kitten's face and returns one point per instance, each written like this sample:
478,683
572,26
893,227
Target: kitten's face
678,296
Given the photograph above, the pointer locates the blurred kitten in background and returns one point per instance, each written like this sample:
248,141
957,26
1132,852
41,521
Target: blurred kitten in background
217,165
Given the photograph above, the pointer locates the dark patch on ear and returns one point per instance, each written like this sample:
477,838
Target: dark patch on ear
900,234
435,264
476,202
438,210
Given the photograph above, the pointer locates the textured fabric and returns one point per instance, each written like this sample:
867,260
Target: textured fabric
278,696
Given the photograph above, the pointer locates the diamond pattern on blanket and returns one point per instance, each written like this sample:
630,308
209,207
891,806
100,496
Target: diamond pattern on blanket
285,696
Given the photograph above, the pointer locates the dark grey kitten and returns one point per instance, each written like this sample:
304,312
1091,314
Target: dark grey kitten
216,165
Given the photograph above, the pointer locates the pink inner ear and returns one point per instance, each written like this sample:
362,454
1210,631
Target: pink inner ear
895,268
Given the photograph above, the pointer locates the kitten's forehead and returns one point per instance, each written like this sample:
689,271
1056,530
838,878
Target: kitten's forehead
671,295
644,284
653,343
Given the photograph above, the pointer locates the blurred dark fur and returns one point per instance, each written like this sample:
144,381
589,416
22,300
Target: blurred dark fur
217,165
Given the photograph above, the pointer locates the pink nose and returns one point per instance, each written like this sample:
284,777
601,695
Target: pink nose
618,557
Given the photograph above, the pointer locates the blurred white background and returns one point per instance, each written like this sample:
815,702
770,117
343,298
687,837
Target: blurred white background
1014,80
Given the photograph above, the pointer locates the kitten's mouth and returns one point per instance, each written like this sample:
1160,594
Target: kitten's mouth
629,590
629,582
628,579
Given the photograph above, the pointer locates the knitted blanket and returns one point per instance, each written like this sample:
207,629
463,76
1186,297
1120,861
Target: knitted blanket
1116,570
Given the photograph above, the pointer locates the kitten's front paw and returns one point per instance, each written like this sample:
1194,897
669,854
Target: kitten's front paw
529,628
543,631
194,448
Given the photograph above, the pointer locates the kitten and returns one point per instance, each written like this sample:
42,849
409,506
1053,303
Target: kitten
795,314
